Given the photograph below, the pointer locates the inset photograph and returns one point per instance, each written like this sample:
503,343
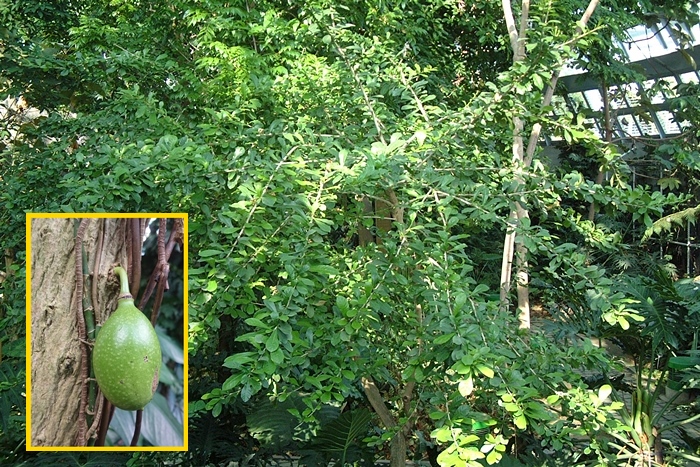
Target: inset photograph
106,326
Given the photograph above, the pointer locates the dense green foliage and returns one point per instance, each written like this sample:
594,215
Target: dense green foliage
273,124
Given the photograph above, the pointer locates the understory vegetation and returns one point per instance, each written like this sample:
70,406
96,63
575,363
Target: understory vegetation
350,173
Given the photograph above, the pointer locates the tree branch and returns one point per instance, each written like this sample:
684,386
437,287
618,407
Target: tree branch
549,92
377,402
519,52
510,24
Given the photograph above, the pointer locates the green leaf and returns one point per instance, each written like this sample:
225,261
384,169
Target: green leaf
339,435
511,406
485,370
238,360
460,301
209,253
343,304
272,343
443,339
493,457
247,391
418,374
232,382
277,357
257,323
553,399
159,426
324,269
271,422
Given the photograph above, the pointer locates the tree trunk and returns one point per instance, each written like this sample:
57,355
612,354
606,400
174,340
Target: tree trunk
522,160
398,442
55,349
522,277
600,176
386,213
510,246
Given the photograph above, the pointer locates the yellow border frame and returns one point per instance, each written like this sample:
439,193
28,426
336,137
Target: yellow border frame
33,215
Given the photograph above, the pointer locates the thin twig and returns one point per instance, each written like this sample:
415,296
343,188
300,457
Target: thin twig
136,242
178,236
137,427
162,227
108,409
162,283
259,200
164,252
82,423
549,92
98,415
96,268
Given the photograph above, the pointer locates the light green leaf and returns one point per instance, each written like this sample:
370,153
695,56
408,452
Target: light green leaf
466,386
485,370
604,391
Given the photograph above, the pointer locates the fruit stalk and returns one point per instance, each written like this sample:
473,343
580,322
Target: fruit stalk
124,283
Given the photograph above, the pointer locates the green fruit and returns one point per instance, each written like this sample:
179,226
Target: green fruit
126,357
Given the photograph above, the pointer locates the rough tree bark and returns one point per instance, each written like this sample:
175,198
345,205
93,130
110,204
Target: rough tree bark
55,349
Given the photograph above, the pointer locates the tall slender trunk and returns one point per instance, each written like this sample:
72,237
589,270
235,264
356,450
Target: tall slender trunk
600,176
513,250
519,212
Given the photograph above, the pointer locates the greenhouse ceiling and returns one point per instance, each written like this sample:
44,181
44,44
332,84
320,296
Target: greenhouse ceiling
639,109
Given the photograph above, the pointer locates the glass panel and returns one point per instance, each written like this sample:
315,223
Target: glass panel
559,106
666,38
594,99
555,138
666,119
647,125
577,101
645,43
570,69
631,94
592,124
628,125
690,77
660,90
695,32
